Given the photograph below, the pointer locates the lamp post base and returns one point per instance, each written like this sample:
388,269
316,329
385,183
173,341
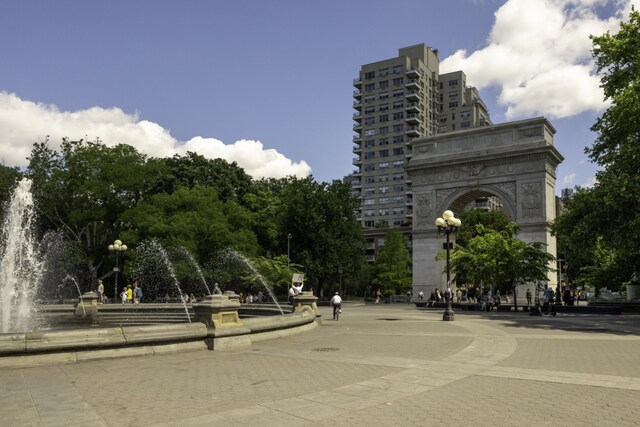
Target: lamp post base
448,314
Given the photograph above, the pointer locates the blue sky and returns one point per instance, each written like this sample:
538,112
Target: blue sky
269,84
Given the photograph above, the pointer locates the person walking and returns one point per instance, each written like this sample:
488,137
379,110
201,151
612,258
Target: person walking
100,292
129,294
378,296
137,293
529,296
336,303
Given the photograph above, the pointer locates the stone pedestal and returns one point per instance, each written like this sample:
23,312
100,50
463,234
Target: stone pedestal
305,299
218,311
87,308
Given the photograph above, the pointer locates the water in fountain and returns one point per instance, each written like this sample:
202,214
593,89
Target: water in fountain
20,265
238,256
75,282
185,252
148,255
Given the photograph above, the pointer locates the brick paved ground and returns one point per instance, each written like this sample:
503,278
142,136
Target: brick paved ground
379,365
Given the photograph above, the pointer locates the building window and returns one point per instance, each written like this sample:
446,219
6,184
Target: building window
383,211
399,139
370,98
383,189
398,211
398,199
398,128
368,191
384,130
369,212
369,110
398,92
383,178
453,104
398,188
369,143
442,129
398,81
383,141
369,224
369,201
369,120
399,104
465,125
369,132
398,151
398,163
384,84
383,72
383,153
370,75
384,95
383,200
369,168
398,177
465,114
398,116
383,165
369,155
369,87
453,82
383,118
370,179
383,107
453,95
398,69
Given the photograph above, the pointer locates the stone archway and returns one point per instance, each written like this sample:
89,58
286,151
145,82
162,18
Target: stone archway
514,161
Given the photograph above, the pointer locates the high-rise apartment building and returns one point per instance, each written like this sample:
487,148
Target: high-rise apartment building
396,101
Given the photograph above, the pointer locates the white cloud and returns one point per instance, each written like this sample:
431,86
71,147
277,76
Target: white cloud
539,54
24,122
568,180
590,182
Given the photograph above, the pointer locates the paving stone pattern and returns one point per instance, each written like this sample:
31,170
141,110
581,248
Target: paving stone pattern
379,365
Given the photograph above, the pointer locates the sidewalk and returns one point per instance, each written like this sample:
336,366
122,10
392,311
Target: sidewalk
379,365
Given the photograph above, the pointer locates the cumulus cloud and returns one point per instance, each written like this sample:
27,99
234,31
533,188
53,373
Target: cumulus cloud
539,54
568,180
24,122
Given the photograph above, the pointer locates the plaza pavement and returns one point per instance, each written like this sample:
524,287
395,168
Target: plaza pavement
387,365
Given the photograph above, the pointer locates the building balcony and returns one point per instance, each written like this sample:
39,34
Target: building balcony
357,139
357,105
413,118
413,131
357,83
357,116
356,183
357,94
413,107
412,95
413,72
357,149
357,161
357,127
357,173
413,84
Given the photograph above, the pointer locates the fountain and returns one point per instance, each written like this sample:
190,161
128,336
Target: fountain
20,264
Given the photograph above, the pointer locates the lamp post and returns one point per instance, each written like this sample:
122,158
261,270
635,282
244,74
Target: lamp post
448,225
117,247
289,236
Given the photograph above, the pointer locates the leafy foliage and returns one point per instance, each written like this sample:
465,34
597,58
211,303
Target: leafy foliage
393,265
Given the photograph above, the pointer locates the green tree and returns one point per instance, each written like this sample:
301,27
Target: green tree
499,259
8,179
393,265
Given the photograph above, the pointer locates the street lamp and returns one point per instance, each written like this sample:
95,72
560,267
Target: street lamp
448,225
117,247
289,236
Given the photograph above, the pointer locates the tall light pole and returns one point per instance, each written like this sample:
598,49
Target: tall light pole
117,247
289,236
448,225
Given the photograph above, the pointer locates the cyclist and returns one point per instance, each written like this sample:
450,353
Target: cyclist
336,303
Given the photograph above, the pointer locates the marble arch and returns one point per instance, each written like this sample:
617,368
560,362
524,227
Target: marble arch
515,161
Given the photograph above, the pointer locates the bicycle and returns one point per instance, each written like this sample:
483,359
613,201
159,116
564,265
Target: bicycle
337,309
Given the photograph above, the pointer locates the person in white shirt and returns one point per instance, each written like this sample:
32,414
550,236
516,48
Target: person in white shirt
336,303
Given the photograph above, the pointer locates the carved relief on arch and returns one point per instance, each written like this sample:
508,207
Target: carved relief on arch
531,200
424,209
509,189
442,195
